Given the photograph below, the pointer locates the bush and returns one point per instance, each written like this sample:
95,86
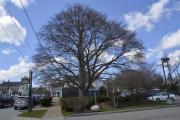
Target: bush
131,99
101,99
45,102
74,104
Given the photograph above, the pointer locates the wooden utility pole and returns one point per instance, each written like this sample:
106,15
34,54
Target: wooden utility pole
30,91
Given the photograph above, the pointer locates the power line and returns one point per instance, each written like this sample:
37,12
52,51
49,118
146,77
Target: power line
36,35
29,20
19,31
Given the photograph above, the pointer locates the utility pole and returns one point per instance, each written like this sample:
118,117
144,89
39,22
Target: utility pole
30,91
162,61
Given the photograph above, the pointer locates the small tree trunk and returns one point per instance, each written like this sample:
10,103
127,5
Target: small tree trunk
81,93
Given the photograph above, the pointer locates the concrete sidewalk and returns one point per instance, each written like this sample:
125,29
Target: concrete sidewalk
54,112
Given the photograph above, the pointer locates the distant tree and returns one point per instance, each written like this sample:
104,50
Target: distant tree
82,43
137,79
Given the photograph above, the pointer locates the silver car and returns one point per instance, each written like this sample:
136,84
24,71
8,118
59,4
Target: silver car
21,102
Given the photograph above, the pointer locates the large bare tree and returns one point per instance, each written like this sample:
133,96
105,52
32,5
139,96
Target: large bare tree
80,45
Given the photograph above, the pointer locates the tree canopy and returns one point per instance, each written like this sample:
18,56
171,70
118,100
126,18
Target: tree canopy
79,45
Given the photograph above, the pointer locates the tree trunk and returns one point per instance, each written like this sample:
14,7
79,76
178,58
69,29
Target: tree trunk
81,93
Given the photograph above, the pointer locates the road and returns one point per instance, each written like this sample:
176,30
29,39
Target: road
172,113
8,113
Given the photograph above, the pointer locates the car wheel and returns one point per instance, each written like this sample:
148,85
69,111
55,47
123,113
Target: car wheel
157,100
15,108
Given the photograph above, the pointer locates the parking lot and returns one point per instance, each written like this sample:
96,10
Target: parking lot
8,113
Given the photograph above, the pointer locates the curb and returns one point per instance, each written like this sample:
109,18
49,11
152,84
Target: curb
25,118
122,111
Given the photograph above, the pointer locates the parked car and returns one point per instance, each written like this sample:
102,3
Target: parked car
6,100
125,93
21,102
162,96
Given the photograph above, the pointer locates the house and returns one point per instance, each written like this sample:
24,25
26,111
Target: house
93,90
9,87
15,88
55,88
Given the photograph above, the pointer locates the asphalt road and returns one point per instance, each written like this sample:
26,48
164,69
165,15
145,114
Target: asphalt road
8,113
172,113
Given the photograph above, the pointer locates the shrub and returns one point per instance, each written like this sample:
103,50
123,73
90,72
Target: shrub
101,99
74,104
131,99
50,99
46,102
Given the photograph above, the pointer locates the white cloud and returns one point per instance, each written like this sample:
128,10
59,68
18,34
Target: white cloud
60,60
9,31
26,3
12,31
106,57
168,41
175,56
16,70
132,54
8,51
2,9
137,20
171,40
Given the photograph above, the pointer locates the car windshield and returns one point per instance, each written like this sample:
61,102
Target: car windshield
157,94
164,94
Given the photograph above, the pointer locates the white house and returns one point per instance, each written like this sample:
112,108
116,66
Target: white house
55,88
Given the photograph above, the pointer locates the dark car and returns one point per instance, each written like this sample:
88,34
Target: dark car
6,100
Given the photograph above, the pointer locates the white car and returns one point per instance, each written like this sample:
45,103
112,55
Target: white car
162,96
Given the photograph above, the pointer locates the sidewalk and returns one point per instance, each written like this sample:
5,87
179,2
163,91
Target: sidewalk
54,112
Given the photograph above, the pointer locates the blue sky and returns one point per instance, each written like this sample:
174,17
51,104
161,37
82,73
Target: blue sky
156,23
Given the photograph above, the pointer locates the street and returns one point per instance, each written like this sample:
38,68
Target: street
8,113
172,113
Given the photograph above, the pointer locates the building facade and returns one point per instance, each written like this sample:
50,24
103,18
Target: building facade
11,88
55,88
14,88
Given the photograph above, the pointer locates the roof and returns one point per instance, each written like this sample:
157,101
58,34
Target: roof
10,84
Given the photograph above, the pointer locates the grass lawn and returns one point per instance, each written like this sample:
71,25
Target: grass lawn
67,113
33,114
105,107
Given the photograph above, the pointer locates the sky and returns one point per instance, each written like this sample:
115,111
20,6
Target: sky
156,23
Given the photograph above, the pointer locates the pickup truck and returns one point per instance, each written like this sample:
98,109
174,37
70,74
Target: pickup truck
6,100
162,96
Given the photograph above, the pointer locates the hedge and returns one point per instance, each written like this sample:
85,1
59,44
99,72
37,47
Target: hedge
46,101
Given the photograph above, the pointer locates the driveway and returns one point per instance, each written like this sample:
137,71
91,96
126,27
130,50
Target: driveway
8,113
172,113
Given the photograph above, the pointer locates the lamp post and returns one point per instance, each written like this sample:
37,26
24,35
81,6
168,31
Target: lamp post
30,91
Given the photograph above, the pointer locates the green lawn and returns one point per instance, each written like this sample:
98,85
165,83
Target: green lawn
67,113
125,107
34,114
106,107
